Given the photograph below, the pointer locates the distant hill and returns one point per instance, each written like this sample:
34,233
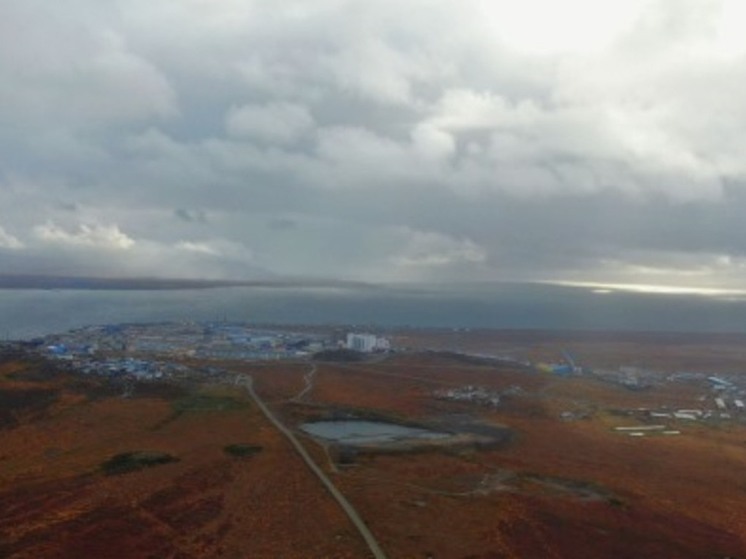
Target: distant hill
97,283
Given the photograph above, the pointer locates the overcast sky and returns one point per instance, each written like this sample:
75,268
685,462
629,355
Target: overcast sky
582,140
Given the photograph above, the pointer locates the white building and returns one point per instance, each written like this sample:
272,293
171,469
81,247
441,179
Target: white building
367,342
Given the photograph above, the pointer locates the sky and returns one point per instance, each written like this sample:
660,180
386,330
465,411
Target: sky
584,141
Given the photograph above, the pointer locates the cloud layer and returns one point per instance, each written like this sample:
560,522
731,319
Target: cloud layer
387,141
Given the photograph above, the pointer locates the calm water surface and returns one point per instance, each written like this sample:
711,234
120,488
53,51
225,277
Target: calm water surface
356,432
28,313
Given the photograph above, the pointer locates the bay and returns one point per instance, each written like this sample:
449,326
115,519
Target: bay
28,313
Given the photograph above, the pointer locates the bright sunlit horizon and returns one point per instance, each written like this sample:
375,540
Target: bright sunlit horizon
657,289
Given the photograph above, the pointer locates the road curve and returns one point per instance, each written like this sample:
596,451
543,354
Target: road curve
352,514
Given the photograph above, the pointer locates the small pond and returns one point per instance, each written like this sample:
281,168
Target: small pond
358,432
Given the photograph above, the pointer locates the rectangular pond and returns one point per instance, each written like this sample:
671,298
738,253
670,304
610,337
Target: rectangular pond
360,432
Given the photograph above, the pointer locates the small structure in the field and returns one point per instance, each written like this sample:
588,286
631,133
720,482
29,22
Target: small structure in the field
719,383
641,428
474,394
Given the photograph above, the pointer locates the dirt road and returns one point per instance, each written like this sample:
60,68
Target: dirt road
375,549
308,379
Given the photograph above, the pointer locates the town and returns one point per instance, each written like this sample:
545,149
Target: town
160,350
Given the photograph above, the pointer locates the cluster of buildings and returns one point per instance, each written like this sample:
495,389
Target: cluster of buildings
156,350
139,369
630,377
727,403
726,399
185,339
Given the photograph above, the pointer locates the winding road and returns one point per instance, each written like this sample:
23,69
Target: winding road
247,382
308,379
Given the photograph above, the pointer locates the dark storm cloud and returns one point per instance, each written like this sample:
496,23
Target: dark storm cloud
386,141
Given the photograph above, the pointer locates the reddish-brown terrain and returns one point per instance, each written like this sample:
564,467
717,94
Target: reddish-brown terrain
56,501
559,489
555,488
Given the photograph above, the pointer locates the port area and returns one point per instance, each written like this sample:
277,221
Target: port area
587,445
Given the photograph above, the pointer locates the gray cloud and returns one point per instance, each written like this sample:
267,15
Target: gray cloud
191,216
387,141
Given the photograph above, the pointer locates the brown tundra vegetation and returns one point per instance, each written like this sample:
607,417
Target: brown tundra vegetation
206,475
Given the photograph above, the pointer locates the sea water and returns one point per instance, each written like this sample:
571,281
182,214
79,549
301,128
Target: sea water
28,313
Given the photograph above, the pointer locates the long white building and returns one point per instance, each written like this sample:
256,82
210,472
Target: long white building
366,342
